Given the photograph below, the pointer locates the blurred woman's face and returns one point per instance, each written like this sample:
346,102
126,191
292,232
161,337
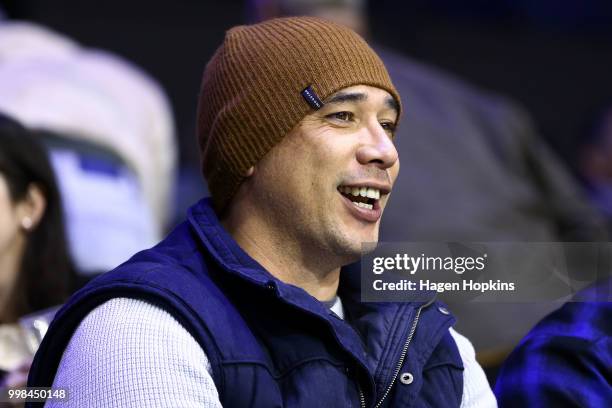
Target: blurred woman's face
12,241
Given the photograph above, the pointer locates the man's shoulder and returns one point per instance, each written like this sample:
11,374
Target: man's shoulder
118,341
174,276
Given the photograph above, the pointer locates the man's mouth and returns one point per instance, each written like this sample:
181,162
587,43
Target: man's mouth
362,197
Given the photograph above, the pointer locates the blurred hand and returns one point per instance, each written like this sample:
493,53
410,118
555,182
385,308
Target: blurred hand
19,376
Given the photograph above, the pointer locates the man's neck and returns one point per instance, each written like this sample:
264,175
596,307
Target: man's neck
284,258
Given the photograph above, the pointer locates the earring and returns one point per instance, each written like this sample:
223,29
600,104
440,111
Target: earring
26,223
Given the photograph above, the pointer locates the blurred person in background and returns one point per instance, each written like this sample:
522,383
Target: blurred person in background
35,268
474,170
566,359
594,163
110,133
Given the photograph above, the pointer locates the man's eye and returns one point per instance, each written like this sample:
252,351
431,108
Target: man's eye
341,116
388,126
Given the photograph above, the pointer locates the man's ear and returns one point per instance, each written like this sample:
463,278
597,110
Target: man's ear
250,171
32,207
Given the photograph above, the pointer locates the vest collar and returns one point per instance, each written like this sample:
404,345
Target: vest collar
222,246
232,258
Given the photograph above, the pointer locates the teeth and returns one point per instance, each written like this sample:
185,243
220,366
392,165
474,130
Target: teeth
372,193
361,191
364,205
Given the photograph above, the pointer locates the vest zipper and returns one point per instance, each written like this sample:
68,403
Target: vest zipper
361,396
403,355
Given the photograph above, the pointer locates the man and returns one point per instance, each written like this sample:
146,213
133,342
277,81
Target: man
244,304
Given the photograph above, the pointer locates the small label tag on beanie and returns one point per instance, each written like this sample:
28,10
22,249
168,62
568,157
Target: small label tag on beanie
312,98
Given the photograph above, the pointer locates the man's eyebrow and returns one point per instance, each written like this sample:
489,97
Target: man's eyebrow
346,97
392,103
358,97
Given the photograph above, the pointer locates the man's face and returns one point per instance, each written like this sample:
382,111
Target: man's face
326,184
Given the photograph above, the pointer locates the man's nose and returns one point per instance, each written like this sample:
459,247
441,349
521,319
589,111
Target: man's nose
378,148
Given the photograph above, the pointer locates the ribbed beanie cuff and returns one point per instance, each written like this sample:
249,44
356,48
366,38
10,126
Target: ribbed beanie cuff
251,90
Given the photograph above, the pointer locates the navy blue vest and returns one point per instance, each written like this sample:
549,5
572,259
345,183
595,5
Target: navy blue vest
271,344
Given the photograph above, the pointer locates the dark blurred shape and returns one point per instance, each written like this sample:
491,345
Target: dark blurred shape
594,163
553,57
562,15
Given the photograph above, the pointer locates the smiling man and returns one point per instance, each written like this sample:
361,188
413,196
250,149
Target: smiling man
245,304
308,205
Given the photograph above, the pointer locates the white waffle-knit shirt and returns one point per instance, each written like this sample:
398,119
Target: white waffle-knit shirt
131,353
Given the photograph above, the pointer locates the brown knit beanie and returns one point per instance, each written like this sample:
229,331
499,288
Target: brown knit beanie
253,90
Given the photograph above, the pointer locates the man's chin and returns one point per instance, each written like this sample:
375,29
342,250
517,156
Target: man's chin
368,247
368,237
355,241
362,246
356,252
